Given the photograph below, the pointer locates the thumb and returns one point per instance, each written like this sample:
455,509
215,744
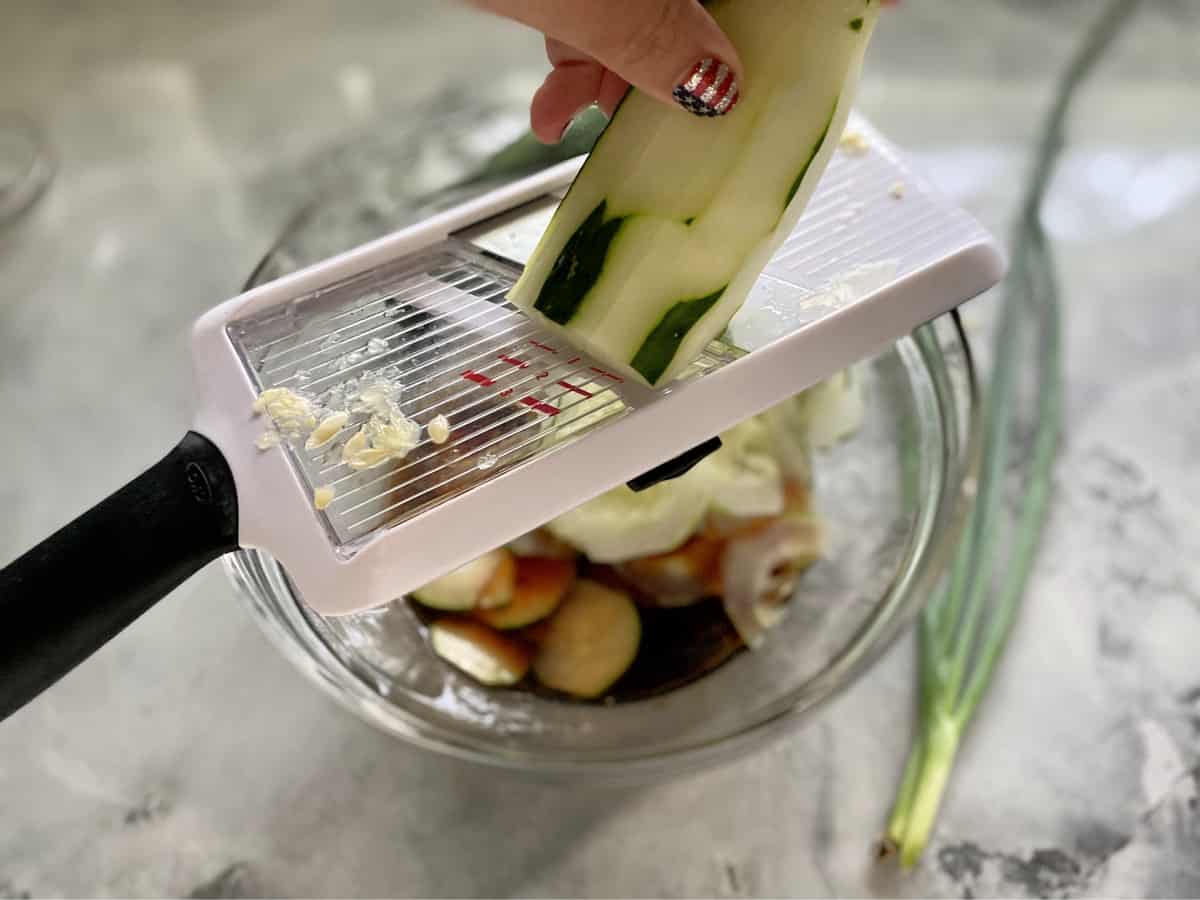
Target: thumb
671,49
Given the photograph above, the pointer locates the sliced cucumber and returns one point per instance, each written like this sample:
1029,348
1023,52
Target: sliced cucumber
540,587
462,589
679,578
543,545
787,426
622,525
480,652
498,591
744,478
581,411
590,642
816,419
834,409
673,217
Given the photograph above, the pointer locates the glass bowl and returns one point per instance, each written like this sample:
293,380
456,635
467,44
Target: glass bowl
891,497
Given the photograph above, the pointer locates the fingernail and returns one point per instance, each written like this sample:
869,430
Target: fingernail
567,127
709,89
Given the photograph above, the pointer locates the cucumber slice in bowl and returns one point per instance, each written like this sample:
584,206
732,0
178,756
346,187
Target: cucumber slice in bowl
486,583
680,578
473,648
673,217
590,643
541,544
540,586
623,524
744,478
826,414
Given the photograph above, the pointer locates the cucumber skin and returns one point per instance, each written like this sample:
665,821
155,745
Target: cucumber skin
816,150
578,267
658,350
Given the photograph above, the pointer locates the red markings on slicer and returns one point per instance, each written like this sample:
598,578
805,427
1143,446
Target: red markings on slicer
513,361
531,402
538,406
576,390
542,346
470,375
603,374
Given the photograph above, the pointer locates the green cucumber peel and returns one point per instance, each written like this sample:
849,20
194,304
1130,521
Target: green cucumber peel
578,267
661,345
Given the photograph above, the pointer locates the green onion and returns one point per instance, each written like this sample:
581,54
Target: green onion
964,630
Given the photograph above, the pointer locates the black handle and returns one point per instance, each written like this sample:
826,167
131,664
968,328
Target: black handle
67,597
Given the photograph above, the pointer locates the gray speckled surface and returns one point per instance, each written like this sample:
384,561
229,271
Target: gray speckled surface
189,758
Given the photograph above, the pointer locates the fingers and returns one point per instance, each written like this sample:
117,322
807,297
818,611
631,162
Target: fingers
560,54
577,82
670,49
564,94
612,90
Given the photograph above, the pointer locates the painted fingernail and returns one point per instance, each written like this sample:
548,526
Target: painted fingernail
708,90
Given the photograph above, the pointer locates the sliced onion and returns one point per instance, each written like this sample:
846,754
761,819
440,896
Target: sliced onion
760,572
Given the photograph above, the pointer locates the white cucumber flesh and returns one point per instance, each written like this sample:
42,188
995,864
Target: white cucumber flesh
834,409
673,217
744,478
623,524
460,590
592,640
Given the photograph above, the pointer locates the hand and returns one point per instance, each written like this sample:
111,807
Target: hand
670,49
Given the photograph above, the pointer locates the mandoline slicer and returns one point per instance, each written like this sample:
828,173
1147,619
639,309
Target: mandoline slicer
536,428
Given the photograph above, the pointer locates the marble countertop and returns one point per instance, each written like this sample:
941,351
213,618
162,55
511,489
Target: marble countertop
189,759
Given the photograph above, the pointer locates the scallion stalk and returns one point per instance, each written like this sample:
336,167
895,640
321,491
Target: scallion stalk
965,629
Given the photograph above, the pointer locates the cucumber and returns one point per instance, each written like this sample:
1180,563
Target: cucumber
834,409
669,223
582,411
541,585
473,648
541,544
590,642
465,588
679,578
813,420
621,525
744,478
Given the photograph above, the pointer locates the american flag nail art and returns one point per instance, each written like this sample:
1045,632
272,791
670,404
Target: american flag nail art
709,90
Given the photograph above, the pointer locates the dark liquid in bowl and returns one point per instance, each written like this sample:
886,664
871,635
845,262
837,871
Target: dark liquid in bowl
678,647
